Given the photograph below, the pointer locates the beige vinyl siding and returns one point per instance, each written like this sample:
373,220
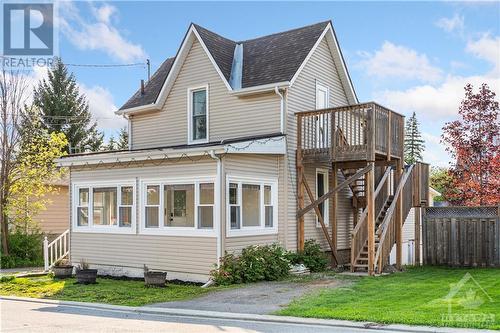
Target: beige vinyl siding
183,254
194,255
55,218
229,116
302,97
255,166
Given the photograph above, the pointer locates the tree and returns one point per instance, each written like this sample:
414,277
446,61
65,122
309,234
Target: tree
13,95
122,139
441,180
35,168
111,143
474,143
64,109
95,142
414,144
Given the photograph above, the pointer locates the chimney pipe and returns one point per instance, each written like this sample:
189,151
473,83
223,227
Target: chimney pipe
142,87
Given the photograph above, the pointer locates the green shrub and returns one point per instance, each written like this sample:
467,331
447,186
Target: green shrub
25,250
255,263
312,257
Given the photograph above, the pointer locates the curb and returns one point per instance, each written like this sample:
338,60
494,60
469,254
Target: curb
244,316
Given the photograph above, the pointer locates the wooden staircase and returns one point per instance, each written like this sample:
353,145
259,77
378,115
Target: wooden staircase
361,262
358,188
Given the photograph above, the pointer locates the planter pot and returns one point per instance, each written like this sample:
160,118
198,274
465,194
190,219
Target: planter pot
62,272
155,279
86,276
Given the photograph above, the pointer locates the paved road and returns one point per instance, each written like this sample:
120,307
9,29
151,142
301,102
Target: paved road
21,316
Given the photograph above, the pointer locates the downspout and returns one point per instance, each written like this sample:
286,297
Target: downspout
218,195
282,109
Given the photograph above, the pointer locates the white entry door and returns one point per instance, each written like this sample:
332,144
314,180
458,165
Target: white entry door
321,120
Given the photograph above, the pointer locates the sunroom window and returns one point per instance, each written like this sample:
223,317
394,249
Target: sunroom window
251,205
187,206
104,207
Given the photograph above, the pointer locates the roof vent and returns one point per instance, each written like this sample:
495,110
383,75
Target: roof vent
237,67
142,87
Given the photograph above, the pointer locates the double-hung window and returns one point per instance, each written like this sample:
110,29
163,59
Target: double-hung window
251,206
108,207
178,207
198,114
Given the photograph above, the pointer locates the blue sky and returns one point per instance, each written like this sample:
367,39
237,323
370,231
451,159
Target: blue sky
408,56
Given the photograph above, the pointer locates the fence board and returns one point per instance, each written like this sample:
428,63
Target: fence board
461,236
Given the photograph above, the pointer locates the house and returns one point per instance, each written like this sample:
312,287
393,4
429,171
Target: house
225,140
54,219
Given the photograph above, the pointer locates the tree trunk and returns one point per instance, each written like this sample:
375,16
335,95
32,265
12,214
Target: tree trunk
4,222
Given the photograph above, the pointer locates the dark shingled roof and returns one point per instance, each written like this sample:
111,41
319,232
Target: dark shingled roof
152,87
269,59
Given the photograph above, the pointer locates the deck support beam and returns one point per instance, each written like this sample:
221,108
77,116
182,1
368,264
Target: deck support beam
300,187
370,201
333,215
399,217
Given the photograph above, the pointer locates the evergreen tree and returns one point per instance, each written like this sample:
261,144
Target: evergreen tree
122,143
64,109
111,143
95,141
414,144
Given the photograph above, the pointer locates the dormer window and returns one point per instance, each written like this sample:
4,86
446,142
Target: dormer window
198,114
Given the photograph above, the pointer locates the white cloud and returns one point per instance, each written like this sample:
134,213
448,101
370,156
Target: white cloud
97,32
452,24
487,48
435,153
395,61
102,107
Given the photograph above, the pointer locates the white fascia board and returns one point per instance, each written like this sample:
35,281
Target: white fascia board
138,109
260,89
135,156
276,146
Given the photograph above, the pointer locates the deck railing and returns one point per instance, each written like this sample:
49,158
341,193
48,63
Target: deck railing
349,133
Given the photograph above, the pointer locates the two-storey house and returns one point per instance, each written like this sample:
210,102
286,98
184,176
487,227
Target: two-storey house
226,150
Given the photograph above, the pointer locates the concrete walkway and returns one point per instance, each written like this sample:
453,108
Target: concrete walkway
255,298
21,271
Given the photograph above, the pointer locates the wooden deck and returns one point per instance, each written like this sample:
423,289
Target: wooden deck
361,132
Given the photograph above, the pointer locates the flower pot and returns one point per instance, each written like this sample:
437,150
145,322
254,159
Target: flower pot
86,276
155,278
62,272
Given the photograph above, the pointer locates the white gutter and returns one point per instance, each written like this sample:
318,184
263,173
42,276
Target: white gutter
282,109
259,89
218,195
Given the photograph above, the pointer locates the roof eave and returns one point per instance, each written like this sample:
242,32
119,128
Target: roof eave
138,109
260,89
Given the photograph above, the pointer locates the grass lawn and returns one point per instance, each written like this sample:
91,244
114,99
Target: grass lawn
120,292
416,297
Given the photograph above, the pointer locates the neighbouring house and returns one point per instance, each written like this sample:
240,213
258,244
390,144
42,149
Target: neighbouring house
235,143
409,231
54,219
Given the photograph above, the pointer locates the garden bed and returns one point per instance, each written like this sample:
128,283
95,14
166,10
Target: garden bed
111,291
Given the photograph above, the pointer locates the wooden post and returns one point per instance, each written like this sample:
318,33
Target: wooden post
370,201
389,137
417,235
399,217
300,186
333,215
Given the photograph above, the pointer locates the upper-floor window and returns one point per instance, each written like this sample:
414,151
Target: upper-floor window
198,114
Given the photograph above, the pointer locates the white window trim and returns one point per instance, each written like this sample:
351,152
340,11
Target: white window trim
252,231
178,231
326,180
116,229
190,91
320,86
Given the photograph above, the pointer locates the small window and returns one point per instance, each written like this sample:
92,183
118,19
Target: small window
82,210
234,206
199,115
125,209
206,206
268,206
321,189
152,206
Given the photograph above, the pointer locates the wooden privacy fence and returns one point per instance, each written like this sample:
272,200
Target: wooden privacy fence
461,236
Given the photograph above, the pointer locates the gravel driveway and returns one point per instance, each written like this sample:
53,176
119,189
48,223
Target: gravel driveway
255,298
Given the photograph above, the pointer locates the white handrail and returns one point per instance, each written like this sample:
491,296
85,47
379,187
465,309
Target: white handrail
55,250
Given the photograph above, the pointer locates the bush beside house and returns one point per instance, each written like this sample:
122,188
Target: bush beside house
25,250
267,263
